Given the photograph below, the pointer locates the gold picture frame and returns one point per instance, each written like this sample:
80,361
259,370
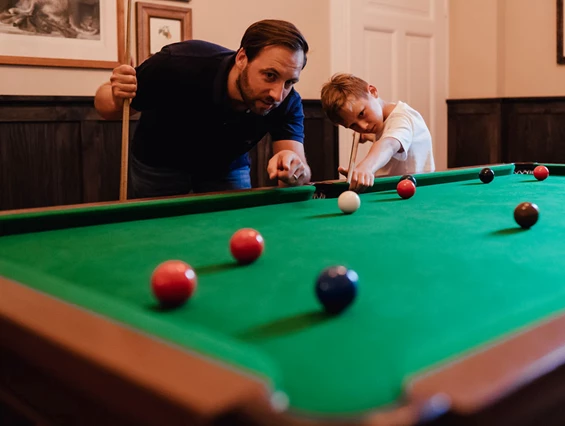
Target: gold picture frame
159,25
91,37
560,41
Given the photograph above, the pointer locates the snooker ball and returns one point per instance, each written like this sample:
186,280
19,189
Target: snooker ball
486,175
406,188
349,202
526,215
336,288
410,178
173,282
541,172
246,245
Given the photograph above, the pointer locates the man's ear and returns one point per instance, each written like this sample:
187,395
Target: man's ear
241,59
373,91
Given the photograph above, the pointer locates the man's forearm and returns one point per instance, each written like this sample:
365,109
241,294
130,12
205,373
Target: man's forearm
105,104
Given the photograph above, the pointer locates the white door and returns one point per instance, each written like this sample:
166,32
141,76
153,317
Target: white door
401,47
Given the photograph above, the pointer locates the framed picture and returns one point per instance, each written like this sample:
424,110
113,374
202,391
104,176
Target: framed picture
80,33
560,43
159,25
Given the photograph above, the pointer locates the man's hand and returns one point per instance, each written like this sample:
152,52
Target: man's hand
124,83
110,96
288,167
362,177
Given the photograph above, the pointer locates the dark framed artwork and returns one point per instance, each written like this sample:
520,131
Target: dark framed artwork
81,34
159,25
560,43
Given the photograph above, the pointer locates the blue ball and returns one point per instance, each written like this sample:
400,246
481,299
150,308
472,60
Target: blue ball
336,288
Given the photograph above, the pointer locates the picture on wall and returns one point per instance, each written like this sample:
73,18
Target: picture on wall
69,33
560,41
55,18
160,25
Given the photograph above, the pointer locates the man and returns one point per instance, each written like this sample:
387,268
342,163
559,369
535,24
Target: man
203,107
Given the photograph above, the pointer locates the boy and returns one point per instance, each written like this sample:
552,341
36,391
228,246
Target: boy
402,143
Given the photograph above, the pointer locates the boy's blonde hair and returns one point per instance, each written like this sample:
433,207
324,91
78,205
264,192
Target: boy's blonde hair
338,91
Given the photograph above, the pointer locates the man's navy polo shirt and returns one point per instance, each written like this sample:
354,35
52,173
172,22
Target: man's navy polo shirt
187,122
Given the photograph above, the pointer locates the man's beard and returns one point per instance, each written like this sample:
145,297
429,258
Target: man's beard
246,93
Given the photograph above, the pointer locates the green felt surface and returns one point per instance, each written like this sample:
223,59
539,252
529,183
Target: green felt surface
440,274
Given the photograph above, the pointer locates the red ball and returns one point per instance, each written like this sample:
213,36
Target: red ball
406,188
541,172
173,282
246,245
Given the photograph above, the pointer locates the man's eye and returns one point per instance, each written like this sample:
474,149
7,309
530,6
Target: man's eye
288,84
270,76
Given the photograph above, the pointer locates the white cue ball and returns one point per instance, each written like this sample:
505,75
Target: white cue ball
348,202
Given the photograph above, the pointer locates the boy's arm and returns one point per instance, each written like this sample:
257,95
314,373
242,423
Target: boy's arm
379,155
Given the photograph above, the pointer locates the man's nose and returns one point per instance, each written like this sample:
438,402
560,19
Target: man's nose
277,93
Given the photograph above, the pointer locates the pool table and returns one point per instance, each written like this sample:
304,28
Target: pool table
459,316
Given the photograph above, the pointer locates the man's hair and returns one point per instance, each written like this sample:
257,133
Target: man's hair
272,32
338,91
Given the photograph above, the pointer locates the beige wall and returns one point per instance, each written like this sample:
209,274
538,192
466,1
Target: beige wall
472,52
219,21
503,48
497,47
310,16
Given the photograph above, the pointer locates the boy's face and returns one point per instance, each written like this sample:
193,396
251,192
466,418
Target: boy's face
365,114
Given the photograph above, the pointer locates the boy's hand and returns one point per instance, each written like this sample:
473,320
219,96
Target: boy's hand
362,177
367,137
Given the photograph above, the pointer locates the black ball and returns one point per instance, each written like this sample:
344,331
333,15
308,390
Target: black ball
486,175
526,215
336,288
409,177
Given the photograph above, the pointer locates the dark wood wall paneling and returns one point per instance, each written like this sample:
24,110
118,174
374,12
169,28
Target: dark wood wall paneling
321,147
505,130
57,151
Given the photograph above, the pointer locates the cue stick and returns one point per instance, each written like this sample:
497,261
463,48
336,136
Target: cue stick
353,157
125,117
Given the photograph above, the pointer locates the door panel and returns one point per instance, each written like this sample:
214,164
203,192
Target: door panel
399,46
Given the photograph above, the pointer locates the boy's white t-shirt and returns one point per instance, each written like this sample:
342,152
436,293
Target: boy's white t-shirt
406,125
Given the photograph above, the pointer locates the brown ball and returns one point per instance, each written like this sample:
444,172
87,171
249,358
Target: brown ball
526,214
